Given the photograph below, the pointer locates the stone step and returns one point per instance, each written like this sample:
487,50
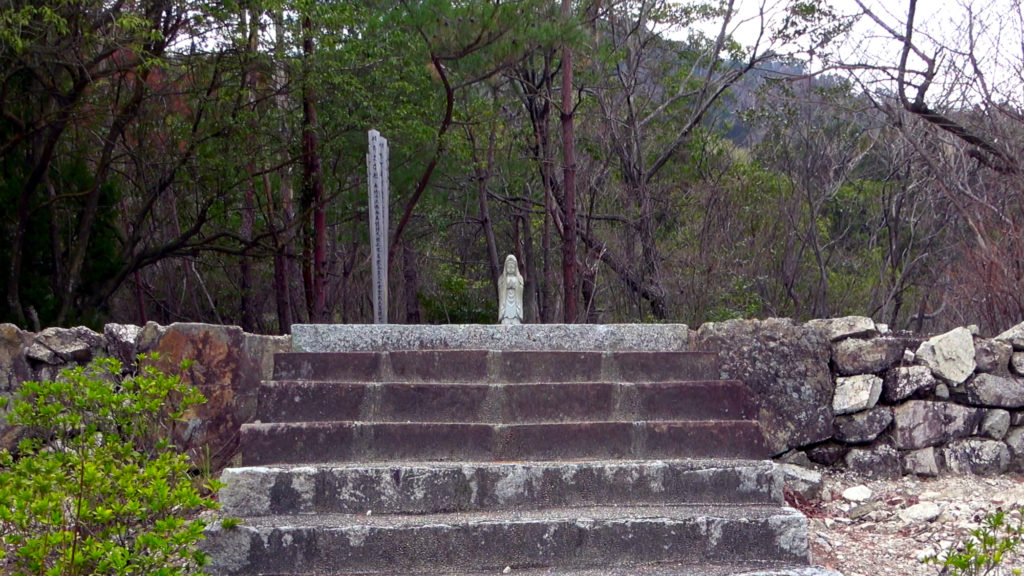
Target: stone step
571,538
469,486
370,337
302,401
308,442
496,366
752,568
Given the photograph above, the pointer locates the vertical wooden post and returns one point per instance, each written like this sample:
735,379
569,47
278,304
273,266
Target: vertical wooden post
379,193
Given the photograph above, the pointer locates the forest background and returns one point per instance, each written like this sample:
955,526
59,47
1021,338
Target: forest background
204,160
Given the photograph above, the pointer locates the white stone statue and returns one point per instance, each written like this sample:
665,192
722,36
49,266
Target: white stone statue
510,293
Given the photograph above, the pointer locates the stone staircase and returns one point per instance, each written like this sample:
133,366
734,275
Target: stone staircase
505,461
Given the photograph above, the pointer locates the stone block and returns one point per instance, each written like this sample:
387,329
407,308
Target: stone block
1015,443
856,393
1014,337
14,369
977,456
807,483
903,382
950,356
879,461
921,423
996,391
58,346
992,356
855,356
836,329
862,427
122,342
786,367
827,453
995,424
1017,363
923,462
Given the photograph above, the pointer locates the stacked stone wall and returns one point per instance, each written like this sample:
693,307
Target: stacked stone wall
227,365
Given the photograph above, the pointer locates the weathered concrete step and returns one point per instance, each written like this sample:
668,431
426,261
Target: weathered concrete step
564,538
306,442
468,486
307,401
674,569
660,569
496,366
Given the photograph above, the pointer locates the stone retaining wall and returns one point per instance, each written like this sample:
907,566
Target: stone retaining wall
843,392
952,403
227,366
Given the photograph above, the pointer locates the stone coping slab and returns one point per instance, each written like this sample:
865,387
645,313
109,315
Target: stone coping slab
572,337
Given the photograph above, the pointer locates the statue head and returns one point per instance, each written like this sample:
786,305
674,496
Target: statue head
511,265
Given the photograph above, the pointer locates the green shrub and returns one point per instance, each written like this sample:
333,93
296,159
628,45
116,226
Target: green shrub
99,488
996,539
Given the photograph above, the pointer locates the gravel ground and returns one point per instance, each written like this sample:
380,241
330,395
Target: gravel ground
905,520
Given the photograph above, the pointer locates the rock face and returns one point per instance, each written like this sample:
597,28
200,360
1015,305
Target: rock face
854,356
920,423
977,456
787,367
950,356
992,390
903,382
993,356
856,393
864,426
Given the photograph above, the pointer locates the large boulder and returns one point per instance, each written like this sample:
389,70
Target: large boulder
902,382
786,366
1014,337
855,356
992,390
950,356
847,327
14,370
993,356
856,393
921,423
227,366
863,427
977,456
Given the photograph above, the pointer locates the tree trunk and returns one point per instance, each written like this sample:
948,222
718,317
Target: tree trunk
313,185
569,180
411,275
